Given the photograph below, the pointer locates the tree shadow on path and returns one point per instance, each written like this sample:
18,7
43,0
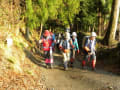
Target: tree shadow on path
58,64
34,59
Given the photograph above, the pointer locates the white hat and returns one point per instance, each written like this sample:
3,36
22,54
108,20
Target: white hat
93,34
74,34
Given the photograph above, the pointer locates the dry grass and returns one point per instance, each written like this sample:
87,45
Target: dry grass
17,72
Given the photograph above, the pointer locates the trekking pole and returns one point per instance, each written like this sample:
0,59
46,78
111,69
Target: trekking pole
51,55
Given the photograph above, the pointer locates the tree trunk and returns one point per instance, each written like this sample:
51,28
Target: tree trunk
71,28
110,34
89,28
41,28
104,24
99,21
93,29
70,25
77,28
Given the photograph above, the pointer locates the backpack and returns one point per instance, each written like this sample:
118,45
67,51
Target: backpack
47,43
85,38
63,44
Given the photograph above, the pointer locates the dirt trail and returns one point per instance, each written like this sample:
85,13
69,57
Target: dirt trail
78,79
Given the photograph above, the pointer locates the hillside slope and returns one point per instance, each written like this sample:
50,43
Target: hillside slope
17,72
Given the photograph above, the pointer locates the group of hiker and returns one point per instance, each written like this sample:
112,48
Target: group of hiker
68,45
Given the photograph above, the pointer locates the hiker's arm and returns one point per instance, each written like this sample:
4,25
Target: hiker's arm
77,47
71,44
40,41
86,48
60,46
95,46
55,41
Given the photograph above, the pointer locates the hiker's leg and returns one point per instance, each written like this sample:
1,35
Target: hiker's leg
93,57
73,57
68,59
85,60
64,59
46,58
83,63
68,56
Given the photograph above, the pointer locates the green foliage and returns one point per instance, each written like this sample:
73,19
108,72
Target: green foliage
88,14
30,16
68,11
40,11
106,7
53,7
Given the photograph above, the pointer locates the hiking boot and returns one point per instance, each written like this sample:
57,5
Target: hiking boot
65,68
93,69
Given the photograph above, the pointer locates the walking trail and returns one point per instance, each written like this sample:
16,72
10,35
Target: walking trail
76,78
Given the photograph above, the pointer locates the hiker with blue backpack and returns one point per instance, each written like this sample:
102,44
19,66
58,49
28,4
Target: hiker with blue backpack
89,50
74,49
54,40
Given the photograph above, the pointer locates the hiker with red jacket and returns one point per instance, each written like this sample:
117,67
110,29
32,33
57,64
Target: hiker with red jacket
47,41
89,51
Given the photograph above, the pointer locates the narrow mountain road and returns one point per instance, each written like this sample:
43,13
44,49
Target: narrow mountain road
76,78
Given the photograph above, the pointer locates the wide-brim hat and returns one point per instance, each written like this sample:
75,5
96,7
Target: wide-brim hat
93,34
74,34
